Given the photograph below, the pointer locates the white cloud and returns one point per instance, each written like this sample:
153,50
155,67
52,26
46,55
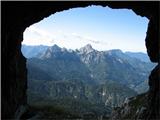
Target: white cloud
88,38
36,36
38,31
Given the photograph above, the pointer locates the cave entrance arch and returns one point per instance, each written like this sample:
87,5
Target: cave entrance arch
14,71
40,31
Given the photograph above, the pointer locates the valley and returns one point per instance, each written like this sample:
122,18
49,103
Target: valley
83,82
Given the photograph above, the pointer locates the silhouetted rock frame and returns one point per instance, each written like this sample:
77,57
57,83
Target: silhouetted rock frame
17,16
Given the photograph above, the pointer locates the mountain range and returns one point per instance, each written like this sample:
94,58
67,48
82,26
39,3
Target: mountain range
96,80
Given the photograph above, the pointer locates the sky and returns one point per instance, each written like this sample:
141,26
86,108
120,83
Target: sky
102,27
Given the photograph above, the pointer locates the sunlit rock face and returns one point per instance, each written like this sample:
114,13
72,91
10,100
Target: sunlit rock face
86,49
15,19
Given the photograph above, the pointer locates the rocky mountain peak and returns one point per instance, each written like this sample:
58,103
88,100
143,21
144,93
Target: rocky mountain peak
49,52
86,49
55,48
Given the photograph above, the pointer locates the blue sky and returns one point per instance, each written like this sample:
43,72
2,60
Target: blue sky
102,27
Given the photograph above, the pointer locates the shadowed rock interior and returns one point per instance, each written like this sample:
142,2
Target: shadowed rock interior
17,16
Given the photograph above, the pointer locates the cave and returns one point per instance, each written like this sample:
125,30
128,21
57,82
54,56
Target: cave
17,16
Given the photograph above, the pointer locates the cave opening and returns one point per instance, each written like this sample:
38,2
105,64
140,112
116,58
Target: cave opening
15,19
58,52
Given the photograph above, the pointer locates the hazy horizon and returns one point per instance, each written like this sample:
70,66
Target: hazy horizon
102,27
84,46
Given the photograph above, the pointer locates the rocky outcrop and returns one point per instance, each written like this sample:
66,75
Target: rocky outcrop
154,93
132,109
86,49
17,16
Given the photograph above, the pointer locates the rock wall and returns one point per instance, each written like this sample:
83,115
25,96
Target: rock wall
16,16
154,93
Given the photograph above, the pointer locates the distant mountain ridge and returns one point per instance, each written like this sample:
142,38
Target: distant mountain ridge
30,51
139,55
111,59
104,78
